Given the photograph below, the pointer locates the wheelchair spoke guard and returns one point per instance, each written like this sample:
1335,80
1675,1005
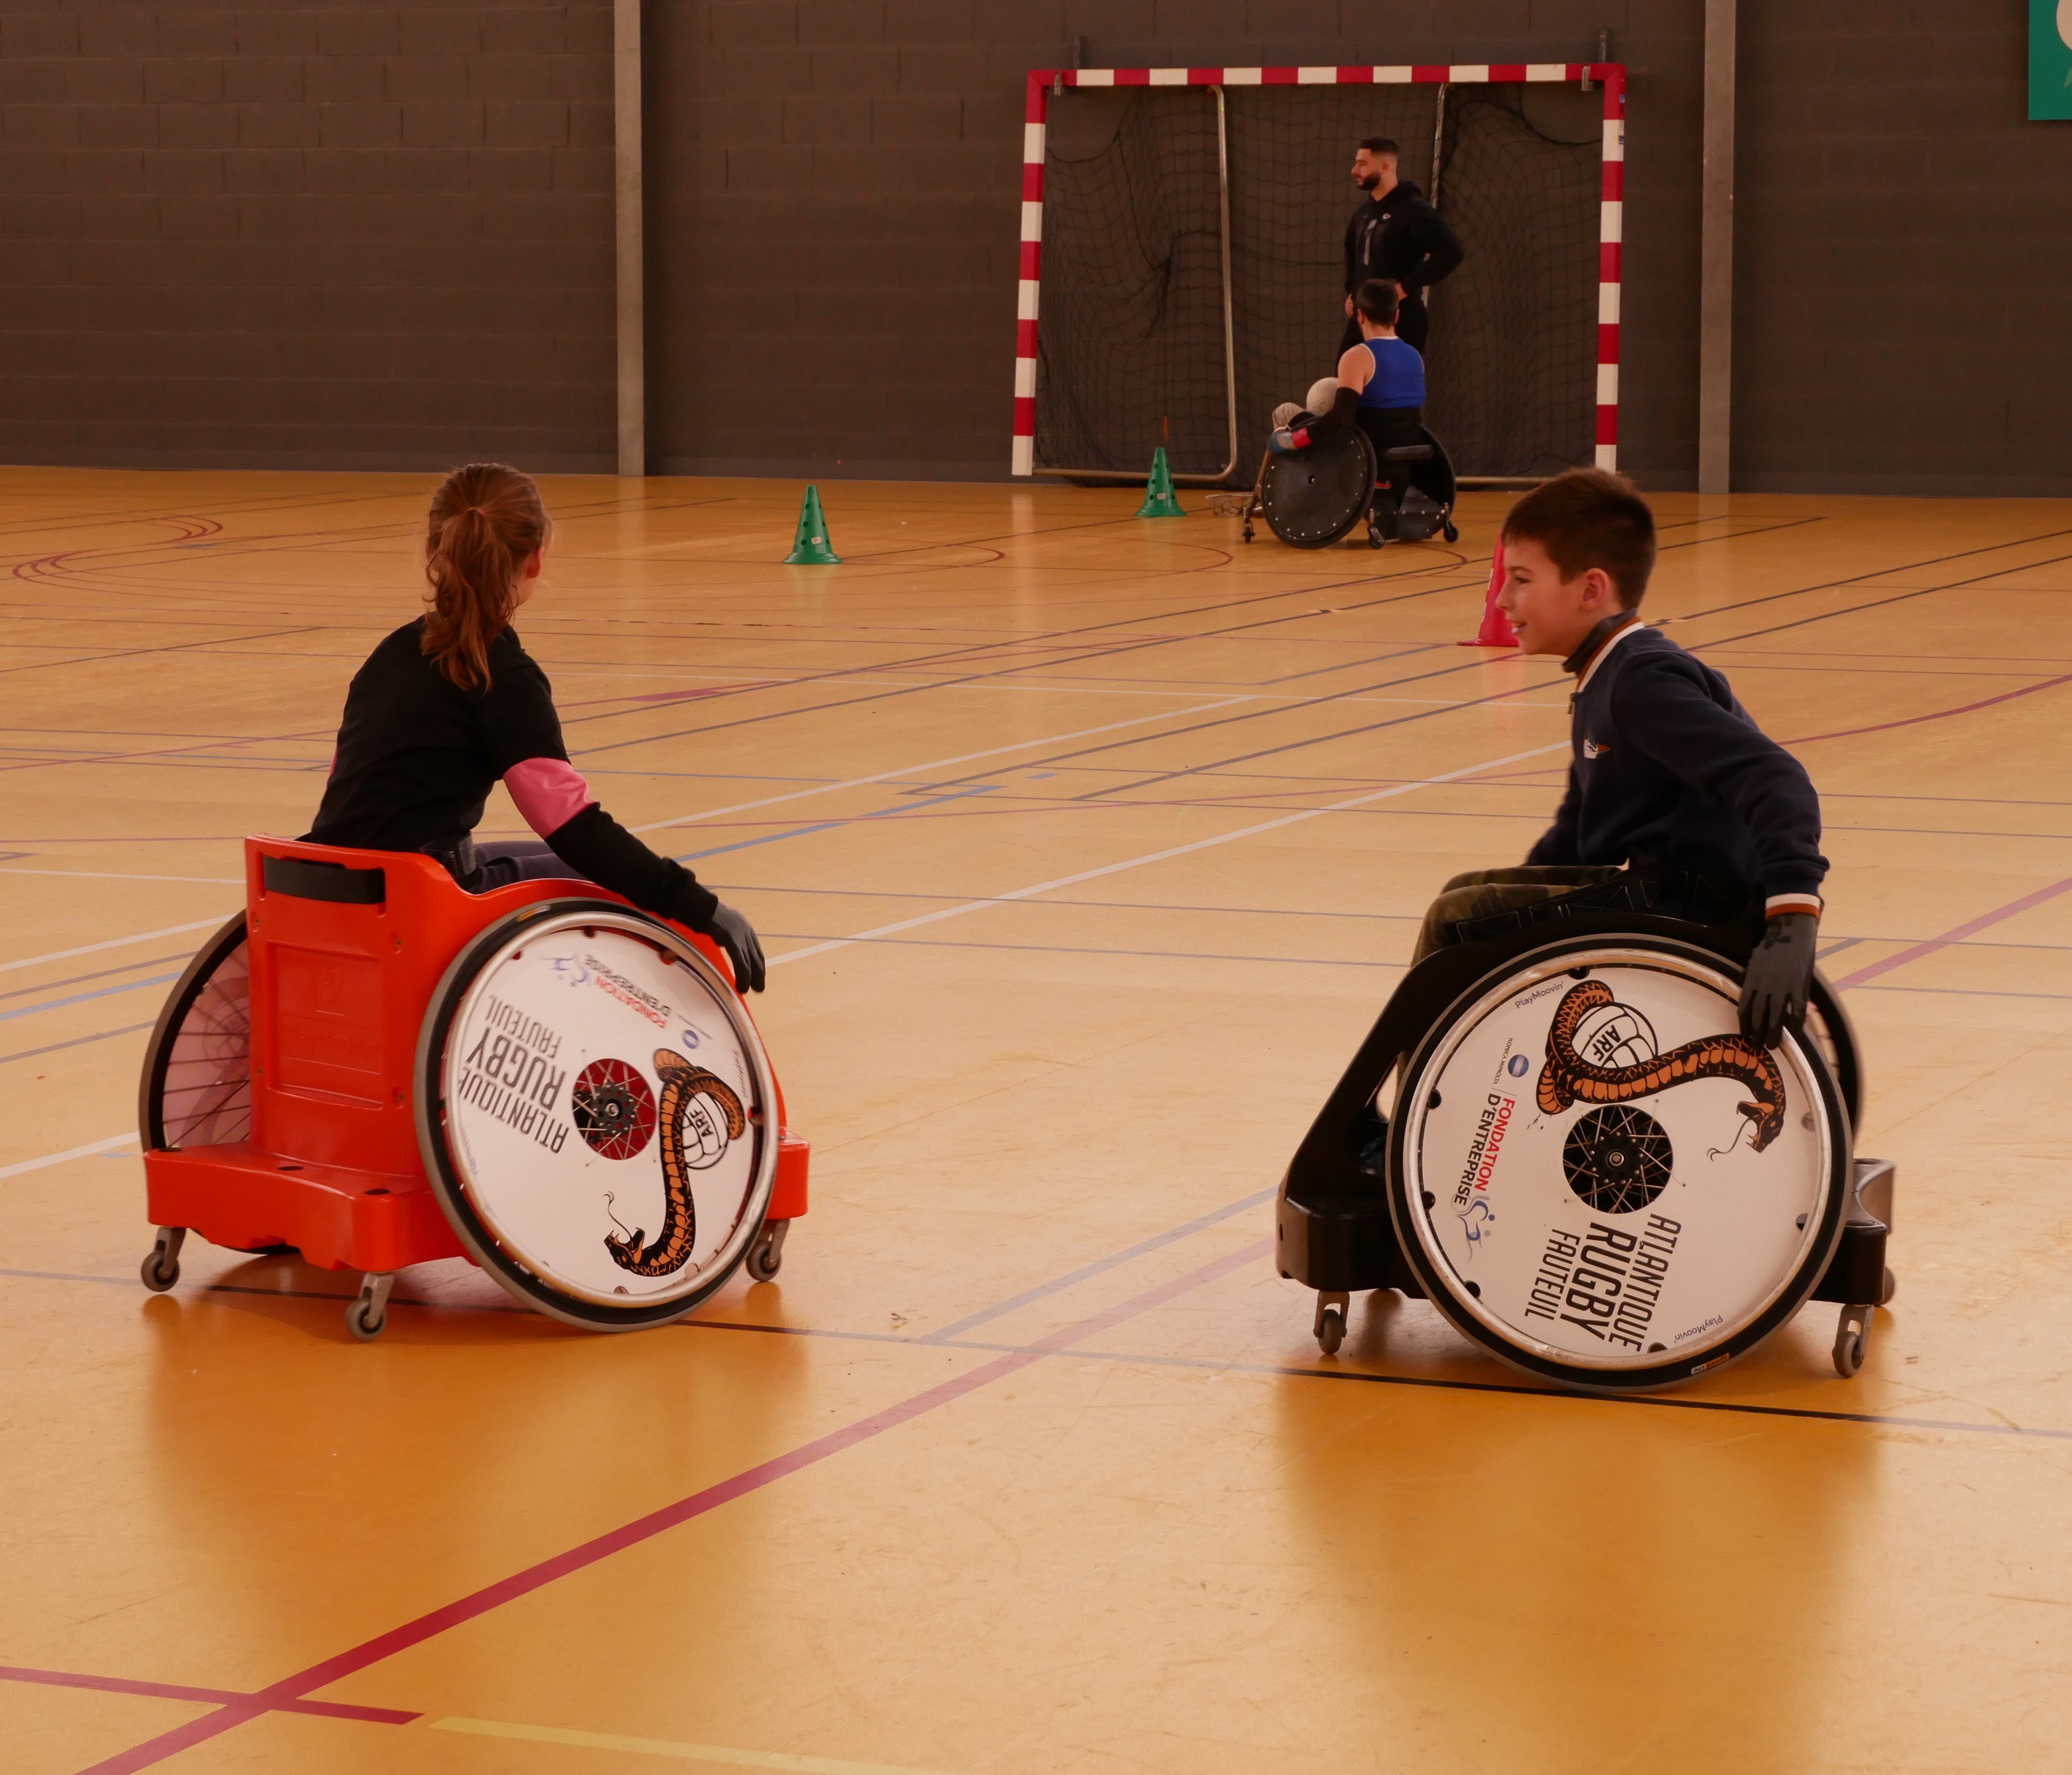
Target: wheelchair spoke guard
1313,498
195,1089
1598,1180
597,1114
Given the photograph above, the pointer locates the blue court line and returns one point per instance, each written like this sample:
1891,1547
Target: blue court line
76,1042
985,1315
829,825
80,998
99,973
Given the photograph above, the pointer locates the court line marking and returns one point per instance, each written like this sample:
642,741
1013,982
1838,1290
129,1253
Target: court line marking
667,1746
112,942
108,875
81,998
642,1528
182,1692
1955,934
932,764
1159,857
1147,1359
76,1042
91,1147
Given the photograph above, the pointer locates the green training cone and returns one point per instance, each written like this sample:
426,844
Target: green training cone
1159,500
809,547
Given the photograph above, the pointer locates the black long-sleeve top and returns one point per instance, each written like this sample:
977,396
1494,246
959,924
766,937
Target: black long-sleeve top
1400,236
417,756
1668,769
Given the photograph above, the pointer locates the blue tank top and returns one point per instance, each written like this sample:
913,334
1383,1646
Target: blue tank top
1398,374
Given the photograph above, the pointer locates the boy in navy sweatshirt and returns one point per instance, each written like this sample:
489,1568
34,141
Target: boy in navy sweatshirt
1672,785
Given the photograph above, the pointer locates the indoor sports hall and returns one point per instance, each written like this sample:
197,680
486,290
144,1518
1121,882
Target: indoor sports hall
924,1187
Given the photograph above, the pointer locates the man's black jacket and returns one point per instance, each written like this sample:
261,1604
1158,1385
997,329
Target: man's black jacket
1402,237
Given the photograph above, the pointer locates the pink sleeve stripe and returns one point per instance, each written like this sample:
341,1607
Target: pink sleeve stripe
549,793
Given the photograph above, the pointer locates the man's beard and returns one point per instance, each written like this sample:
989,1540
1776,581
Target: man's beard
1367,182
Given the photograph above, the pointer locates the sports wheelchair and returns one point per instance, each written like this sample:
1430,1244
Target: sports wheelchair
1581,1170
1313,498
376,1068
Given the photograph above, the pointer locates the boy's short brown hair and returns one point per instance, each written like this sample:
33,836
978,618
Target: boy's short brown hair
1379,300
1588,518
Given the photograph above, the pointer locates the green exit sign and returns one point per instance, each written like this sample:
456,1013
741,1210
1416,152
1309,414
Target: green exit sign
2050,57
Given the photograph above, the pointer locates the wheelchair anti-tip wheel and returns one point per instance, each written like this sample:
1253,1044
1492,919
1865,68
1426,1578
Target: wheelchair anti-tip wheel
1597,1179
597,1114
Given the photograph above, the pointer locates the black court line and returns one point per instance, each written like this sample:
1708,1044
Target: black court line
1137,1358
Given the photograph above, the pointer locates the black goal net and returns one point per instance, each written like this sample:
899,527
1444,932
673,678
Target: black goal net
1188,248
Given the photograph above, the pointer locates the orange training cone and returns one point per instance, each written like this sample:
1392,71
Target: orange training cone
1496,630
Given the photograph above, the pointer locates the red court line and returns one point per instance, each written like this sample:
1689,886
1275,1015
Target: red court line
1940,714
285,1695
181,1692
1957,935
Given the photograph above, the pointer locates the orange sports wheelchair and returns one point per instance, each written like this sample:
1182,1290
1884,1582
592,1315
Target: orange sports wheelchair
376,1068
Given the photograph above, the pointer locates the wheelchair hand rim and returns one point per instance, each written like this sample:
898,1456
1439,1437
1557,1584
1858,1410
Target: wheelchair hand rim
1678,1349
466,1199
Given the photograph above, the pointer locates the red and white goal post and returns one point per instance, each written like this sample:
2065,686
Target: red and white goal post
1042,82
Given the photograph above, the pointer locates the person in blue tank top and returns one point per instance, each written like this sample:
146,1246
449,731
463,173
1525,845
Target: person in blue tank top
1381,382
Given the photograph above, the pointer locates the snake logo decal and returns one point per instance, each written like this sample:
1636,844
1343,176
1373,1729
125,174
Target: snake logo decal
1568,1077
703,1103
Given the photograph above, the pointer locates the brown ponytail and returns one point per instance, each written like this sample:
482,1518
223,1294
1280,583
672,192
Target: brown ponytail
486,519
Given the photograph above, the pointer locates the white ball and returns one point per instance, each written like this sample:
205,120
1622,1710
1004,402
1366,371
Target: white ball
1616,1035
704,1133
1325,389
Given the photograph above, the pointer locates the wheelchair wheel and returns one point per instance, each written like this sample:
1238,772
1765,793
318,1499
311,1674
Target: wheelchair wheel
195,1089
597,1114
1312,499
1597,1179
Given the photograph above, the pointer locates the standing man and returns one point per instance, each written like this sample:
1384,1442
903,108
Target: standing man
1395,234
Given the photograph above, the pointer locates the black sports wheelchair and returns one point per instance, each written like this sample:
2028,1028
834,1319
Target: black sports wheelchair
1584,1165
1314,497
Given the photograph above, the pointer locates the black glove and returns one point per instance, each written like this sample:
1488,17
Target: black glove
736,936
1287,441
1779,978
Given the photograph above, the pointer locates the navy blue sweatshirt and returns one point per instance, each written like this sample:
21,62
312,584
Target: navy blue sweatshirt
1668,771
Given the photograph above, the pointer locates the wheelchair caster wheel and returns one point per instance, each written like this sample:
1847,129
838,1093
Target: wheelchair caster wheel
1852,1338
1248,530
765,1256
1888,1288
1374,539
162,1263
368,1314
1331,1326
1450,533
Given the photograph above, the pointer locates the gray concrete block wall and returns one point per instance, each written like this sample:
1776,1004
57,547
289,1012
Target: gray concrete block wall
374,236
834,190
382,235
1904,256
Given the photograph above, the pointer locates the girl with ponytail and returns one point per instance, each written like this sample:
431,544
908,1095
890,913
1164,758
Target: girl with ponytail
449,703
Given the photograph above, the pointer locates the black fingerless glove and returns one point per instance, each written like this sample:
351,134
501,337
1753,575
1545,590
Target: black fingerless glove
1779,979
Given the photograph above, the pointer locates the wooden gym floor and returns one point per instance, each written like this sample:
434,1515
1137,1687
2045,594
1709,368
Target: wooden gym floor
1085,847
